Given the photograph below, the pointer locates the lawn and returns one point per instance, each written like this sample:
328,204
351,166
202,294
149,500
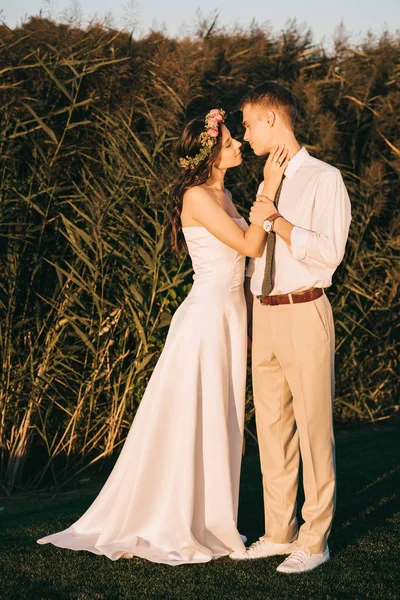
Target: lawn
364,542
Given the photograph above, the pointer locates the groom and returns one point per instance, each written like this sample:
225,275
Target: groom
293,333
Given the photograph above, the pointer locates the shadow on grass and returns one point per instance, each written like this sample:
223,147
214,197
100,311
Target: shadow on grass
363,543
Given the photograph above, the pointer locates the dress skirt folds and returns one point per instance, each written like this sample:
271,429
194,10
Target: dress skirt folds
172,496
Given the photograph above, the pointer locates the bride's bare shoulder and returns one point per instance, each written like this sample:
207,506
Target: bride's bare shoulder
195,200
194,190
196,194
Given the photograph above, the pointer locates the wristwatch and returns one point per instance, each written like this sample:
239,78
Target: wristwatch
268,223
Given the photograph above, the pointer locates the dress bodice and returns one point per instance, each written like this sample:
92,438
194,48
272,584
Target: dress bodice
215,264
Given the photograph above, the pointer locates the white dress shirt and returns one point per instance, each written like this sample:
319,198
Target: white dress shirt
315,200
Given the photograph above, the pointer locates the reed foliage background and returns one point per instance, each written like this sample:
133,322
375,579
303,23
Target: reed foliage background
87,281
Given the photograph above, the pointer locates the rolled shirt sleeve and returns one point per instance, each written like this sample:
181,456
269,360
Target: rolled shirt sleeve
325,244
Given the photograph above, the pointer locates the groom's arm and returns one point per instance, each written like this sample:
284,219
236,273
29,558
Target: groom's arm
284,229
324,244
281,226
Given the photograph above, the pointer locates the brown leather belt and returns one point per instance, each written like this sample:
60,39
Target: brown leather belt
307,296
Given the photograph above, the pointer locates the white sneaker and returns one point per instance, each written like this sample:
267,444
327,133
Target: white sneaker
300,561
263,548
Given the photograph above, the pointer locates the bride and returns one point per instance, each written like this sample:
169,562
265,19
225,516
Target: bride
172,496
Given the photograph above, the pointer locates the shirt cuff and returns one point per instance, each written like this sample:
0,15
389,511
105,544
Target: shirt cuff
298,241
250,268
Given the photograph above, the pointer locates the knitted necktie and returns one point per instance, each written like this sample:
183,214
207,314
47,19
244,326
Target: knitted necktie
268,283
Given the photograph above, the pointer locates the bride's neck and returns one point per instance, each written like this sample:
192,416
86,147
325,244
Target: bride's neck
217,179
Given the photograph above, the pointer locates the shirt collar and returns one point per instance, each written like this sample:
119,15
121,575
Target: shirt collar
296,162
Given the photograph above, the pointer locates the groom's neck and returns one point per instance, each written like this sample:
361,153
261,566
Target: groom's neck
289,140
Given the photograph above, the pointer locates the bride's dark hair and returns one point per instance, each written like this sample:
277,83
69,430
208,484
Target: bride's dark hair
189,144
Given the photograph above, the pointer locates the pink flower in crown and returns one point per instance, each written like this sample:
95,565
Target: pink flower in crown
216,114
212,132
213,122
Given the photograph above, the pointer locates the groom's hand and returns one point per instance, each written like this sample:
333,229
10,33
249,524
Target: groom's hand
261,211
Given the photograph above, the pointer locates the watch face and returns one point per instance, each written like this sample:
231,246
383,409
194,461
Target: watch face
267,225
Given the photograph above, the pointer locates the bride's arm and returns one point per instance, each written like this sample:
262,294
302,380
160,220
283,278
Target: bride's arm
206,211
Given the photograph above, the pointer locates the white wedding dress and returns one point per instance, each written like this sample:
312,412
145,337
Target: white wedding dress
172,496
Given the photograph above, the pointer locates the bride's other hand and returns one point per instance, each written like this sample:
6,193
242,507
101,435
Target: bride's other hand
261,211
274,169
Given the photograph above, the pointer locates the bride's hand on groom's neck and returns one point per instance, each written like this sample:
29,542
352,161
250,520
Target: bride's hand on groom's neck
274,169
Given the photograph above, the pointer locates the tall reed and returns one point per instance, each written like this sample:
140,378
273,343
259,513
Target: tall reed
87,280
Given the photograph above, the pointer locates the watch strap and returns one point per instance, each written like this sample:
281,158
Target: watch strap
273,217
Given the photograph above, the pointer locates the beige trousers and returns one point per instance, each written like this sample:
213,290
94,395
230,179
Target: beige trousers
293,383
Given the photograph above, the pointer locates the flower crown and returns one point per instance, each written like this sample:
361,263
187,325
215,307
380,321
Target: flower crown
208,139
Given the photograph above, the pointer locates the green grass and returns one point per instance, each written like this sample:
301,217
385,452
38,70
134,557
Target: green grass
363,544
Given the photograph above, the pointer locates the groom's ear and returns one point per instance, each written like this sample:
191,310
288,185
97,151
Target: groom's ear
270,118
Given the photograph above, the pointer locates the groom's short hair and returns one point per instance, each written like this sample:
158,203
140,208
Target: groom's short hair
271,95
